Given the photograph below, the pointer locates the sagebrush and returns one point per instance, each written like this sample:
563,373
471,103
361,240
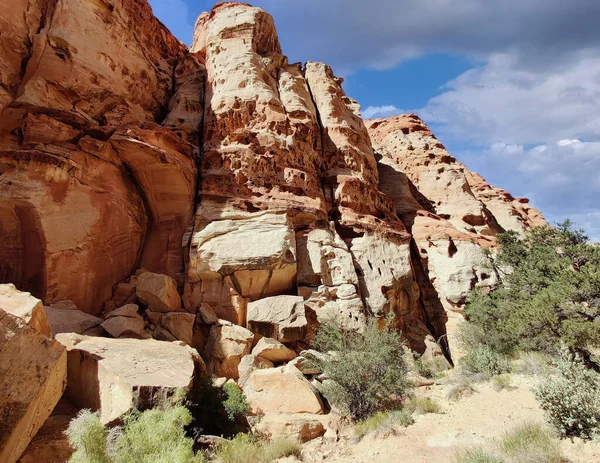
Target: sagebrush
366,372
571,400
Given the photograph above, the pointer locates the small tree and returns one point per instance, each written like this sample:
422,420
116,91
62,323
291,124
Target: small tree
366,371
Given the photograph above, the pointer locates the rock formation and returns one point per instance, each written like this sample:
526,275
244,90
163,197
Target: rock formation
220,197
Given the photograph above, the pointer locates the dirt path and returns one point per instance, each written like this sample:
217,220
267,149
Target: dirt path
472,420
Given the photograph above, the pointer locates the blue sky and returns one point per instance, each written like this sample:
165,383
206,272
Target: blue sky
511,87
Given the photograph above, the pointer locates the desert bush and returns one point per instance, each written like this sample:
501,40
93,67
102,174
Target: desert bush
87,436
530,442
483,359
384,423
525,443
571,400
549,292
235,404
368,371
245,448
461,387
431,368
501,382
477,455
152,436
215,410
423,405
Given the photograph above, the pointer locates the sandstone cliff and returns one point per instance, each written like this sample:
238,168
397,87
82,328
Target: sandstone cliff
220,194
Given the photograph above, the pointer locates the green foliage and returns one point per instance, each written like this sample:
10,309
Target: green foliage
483,359
384,423
423,405
527,442
477,455
236,404
367,370
87,436
501,382
245,448
215,410
530,442
152,436
431,368
550,292
572,400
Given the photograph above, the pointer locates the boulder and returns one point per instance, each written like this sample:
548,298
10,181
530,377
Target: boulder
116,375
226,345
279,317
299,427
33,373
282,390
25,306
273,350
249,364
124,327
68,320
128,310
158,292
181,325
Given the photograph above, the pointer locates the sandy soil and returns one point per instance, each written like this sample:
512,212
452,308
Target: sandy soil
472,420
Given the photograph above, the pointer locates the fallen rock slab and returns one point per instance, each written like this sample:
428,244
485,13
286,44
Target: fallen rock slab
25,306
158,292
33,372
278,317
282,390
273,350
70,320
300,427
116,375
226,346
249,364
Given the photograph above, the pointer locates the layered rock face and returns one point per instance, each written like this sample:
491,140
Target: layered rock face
91,184
451,212
222,198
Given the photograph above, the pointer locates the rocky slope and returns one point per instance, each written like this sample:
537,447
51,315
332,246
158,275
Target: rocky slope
216,195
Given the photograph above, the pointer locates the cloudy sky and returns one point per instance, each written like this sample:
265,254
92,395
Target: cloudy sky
511,87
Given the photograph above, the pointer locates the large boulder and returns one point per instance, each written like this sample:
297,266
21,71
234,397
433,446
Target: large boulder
297,426
227,344
115,376
124,322
25,306
67,318
158,292
273,350
279,317
248,365
33,372
282,390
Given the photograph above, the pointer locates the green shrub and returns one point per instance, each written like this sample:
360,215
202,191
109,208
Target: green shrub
461,387
477,455
571,400
215,410
548,293
483,359
423,405
431,368
236,404
87,436
525,443
530,442
367,372
501,382
152,436
245,448
384,423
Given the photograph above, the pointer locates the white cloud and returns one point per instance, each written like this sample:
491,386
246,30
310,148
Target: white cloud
503,102
380,111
